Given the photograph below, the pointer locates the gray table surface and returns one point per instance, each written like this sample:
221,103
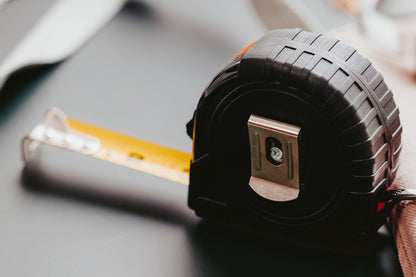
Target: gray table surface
141,75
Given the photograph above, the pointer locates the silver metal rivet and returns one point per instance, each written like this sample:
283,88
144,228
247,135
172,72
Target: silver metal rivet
276,153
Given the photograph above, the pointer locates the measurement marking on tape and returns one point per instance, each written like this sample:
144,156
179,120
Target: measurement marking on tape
57,130
138,154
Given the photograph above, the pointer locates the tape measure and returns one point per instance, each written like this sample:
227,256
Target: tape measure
297,139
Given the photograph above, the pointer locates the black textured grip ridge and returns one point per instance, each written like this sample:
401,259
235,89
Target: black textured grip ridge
345,85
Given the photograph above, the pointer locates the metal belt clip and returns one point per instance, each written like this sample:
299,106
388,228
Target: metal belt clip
274,158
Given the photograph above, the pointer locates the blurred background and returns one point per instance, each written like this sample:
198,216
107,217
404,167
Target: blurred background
139,68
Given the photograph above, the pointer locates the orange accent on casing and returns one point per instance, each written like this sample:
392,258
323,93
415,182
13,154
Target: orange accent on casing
244,50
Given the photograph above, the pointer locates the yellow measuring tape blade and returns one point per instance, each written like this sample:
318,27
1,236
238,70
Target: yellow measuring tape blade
138,154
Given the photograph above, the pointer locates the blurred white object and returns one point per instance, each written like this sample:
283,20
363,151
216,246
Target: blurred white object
381,30
316,16
378,27
65,27
397,8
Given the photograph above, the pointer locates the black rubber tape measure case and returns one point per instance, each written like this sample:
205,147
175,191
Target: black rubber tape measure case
297,139
342,149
